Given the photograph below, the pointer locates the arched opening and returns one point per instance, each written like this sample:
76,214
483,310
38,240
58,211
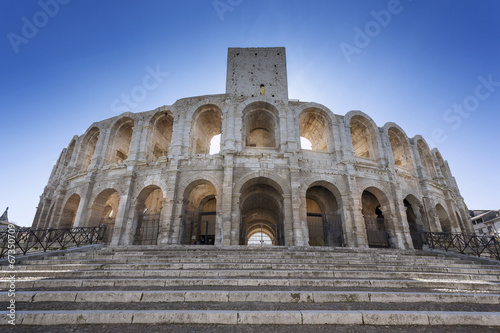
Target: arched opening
148,210
426,159
376,230
323,221
260,237
444,218
69,211
442,168
261,206
314,126
400,148
207,123
119,148
262,90
413,217
160,136
104,210
199,214
260,125
69,153
89,144
363,138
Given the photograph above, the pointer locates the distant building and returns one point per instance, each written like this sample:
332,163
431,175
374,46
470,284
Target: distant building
486,222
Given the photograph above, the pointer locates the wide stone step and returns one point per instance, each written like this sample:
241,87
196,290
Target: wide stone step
168,296
73,272
445,284
22,270
246,256
231,317
260,264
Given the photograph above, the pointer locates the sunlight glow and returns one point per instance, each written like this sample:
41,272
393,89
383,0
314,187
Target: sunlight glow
305,144
215,145
260,238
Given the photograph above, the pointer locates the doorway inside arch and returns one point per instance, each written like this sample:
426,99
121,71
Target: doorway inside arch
323,221
200,214
376,232
261,215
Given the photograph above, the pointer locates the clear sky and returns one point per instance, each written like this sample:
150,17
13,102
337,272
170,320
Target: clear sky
430,66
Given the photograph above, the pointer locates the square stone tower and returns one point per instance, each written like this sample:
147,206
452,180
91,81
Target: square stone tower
253,72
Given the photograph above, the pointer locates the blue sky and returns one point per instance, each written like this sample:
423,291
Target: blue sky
431,66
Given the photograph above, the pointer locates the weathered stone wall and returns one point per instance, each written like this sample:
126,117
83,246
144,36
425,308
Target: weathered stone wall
150,176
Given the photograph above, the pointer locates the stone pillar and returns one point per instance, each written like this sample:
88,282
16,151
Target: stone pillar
299,225
169,209
177,220
430,209
101,150
287,219
135,142
228,135
226,199
450,205
122,224
142,150
355,222
58,207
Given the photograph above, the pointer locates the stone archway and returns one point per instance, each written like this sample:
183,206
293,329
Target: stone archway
261,207
414,219
69,211
147,216
198,225
104,211
323,221
444,219
377,232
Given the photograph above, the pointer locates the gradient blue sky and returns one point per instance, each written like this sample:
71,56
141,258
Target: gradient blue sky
430,56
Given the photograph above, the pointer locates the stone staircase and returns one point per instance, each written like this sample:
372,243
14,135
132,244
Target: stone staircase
241,285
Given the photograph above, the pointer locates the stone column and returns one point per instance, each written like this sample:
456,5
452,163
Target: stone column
430,209
299,225
142,149
135,142
226,199
169,209
287,219
177,219
122,224
355,223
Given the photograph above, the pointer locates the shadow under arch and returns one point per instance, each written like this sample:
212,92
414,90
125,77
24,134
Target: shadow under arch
324,221
147,215
375,205
261,207
199,213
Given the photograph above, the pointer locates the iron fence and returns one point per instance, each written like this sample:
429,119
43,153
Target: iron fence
481,246
24,240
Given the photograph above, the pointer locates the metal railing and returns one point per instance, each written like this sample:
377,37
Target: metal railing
24,240
481,246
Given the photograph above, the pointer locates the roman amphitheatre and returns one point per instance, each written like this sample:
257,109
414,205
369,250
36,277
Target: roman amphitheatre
152,177
250,211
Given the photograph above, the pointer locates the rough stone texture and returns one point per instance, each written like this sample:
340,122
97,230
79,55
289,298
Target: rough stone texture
151,179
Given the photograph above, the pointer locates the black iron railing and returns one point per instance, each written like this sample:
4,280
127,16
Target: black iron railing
481,246
23,240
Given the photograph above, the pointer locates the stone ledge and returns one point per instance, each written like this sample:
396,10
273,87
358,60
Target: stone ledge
257,317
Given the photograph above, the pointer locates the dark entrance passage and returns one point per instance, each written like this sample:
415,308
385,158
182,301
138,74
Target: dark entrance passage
376,232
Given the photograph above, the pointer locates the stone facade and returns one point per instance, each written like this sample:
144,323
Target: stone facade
150,176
